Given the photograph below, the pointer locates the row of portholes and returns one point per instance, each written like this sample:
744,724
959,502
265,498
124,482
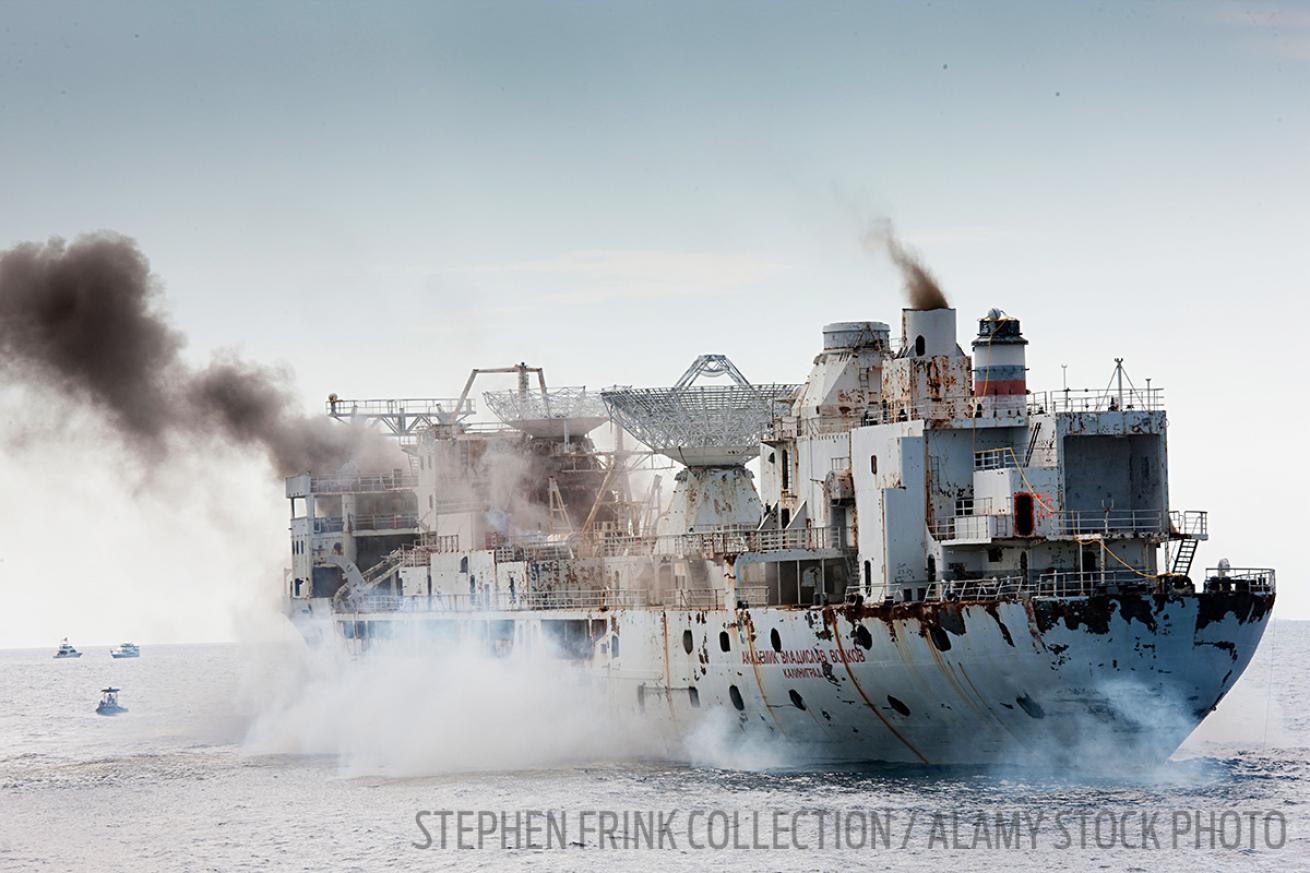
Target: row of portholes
725,641
861,637
688,643
775,640
734,694
1029,705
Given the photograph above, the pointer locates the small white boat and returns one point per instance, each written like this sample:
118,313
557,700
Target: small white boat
109,702
126,650
67,651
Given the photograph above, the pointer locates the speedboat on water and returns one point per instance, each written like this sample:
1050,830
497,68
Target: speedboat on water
67,651
125,650
109,702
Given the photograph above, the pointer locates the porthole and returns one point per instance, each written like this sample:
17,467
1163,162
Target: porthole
694,696
725,642
687,642
898,705
939,638
1030,706
796,699
735,695
863,638
775,640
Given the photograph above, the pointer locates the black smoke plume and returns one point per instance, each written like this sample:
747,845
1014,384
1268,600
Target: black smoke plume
82,319
920,285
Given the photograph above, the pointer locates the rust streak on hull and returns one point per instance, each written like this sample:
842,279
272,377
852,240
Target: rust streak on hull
746,628
668,686
855,683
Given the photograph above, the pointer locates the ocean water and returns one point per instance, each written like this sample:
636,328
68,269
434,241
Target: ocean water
266,758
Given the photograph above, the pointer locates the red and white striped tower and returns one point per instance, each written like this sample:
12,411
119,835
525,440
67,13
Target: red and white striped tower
1000,372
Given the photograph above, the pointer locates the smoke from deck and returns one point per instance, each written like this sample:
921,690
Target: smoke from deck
920,284
82,319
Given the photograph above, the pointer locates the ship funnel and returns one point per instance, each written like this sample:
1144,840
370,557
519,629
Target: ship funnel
929,333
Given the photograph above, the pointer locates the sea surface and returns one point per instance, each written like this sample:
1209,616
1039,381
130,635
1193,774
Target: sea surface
275,758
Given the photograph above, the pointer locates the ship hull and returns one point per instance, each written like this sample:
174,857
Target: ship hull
1078,682
1062,682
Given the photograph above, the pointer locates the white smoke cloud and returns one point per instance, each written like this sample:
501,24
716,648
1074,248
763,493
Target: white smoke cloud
417,707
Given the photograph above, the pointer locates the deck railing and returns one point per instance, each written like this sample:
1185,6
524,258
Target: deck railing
377,521
1058,584
362,484
1255,579
329,524
1076,523
1094,400
503,600
1119,522
973,527
408,406
385,521
1189,523
722,542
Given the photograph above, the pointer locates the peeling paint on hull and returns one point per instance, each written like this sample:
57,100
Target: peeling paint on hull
1042,681
1079,682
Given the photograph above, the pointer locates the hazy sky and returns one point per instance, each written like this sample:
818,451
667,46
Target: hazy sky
382,195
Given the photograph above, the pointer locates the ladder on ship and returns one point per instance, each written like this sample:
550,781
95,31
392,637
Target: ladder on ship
1032,445
1183,559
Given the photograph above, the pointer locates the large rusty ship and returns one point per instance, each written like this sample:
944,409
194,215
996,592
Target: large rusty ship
938,565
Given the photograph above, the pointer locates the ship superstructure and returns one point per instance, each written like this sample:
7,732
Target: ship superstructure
939,565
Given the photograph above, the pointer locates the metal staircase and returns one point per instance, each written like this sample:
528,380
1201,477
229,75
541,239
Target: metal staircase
1189,529
1183,559
358,584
